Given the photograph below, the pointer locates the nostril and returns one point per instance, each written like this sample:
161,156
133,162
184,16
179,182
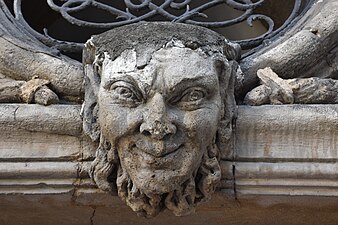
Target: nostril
157,129
145,129
146,133
171,129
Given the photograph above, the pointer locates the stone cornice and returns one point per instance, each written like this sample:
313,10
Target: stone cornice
279,150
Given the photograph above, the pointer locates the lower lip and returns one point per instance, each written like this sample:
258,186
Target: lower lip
171,152
148,157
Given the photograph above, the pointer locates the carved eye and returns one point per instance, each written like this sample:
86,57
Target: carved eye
193,95
190,99
124,92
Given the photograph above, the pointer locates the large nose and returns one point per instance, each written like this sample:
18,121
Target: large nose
156,122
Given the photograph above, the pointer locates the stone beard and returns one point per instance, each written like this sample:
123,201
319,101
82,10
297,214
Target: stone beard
160,125
181,201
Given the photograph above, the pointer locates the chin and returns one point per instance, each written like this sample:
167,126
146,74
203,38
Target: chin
159,181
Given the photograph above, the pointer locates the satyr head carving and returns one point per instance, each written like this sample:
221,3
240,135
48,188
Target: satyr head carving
160,100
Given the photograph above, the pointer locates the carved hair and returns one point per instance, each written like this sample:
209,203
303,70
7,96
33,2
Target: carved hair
198,188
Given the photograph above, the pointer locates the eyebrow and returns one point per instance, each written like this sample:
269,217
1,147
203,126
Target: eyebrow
124,77
198,80
184,83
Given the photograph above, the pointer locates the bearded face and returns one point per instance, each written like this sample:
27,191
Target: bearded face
158,129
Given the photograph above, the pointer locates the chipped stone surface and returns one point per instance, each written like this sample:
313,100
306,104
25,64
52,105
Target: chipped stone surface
21,62
313,136
284,164
45,96
308,49
161,122
36,91
29,88
10,90
287,133
282,179
58,119
32,91
275,90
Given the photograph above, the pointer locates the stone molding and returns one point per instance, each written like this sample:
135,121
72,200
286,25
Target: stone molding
279,150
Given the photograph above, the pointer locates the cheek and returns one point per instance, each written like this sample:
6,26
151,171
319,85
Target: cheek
109,122
201,125
113,121
117,121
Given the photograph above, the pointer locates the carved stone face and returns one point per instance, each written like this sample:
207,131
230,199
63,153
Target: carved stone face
160,101
161,118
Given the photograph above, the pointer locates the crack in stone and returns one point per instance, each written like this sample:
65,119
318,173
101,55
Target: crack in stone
234,123
76,182
92,216
234,181
15,111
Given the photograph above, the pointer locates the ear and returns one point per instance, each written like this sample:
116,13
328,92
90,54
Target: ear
232,51
227,76
224,138
90,109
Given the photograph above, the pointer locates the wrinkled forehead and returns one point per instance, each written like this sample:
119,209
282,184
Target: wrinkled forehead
172,64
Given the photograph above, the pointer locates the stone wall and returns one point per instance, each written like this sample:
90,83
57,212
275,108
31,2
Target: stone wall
283,169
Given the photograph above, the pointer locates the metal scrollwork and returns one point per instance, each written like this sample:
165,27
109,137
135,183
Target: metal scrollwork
69,8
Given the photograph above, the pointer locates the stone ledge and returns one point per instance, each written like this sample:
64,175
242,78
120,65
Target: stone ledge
280,150
287,133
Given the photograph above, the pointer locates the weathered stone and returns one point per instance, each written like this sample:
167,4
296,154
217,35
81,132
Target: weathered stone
35,90
222,209
162,101
10,90
287,133
275,90
308,49
57,119
281,161
283,179
21,63
45,96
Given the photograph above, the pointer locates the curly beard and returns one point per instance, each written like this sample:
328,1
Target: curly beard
108,174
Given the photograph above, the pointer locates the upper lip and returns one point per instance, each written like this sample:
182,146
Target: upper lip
158,148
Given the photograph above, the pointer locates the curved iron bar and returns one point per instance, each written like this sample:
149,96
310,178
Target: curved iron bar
133,6
294,13
181,5
83,4
239,19
190,13
124,17
65,46
246,44
245,6
127,16
10,26
65,12
226,23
